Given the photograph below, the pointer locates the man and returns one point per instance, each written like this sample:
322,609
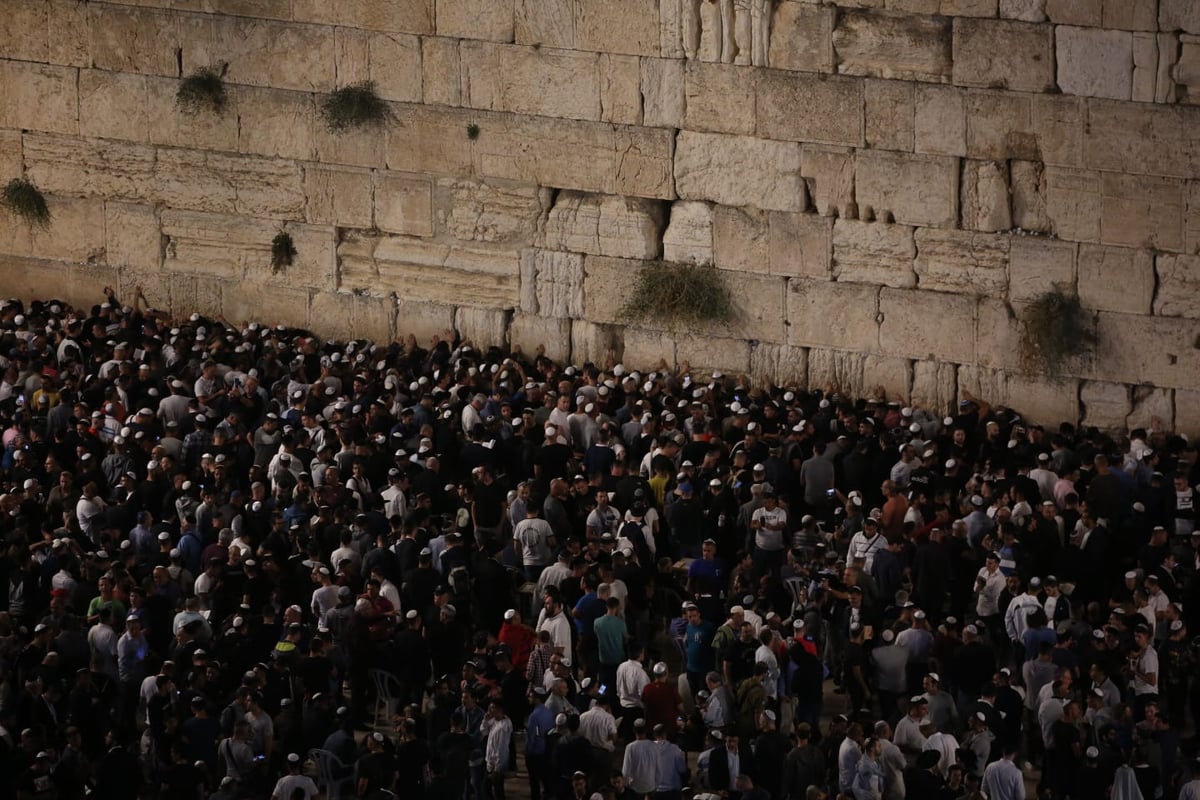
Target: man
640,766
1002,779
769,523
868,774
631,681
725,763
1142,670
849,752
534,539
599,727
538,727
611,636
804,766
661,700
671,769
989,583
698,650
496,731
908,736
288,785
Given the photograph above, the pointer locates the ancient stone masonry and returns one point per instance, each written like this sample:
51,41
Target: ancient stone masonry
887,185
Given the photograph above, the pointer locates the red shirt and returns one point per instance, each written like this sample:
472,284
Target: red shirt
520,639
661,701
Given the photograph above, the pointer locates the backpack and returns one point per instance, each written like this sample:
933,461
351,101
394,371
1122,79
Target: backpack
633,531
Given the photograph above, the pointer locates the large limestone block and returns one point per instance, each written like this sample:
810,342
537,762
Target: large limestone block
968,8
893,45
670,30
423,320
998,335
800,245
874,252
837,315
77,232
1142,211
829,179
741,239
557,281
11,153
114,105
1131,15
441,79
24,30
940,125
493,211
277,54
884,376
431,140
1028,180
1024,10
889,114
837,371
802,37
934,386
366,317
911,189
134,40
491,20
577,155
605,225
797,106
194,180
216,245
404,16
1187,411
780,363
1152,408
485,327
62,165
1191,231
593,342
1073,203
1000,126
1145,67
340,196
395,66
962,261
1181,15
1046,400
663,92
1058,124
276,124
1116,278
1038,265
1003,54
688,238
1178,285
351,55
1094,62
760,304
708,353
530,331
927,325
524,80
545,23
1154,350
620,89
67,32
39,97
1105,405
132,237
720,97
404,204
204,131
256,187
630,27
1075,12
645,348
606,284
985,196
1137,138
739,171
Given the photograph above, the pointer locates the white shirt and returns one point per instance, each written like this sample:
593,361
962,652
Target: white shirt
1015,617
498,733
598,727
867,547
947,748
1003,780
908,737
560,630
769,540
640,766
631,679
988,604
764,655
1147,664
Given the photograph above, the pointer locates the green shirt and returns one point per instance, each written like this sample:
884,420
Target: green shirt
610,636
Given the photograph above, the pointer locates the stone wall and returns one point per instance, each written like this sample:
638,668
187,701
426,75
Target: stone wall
887,183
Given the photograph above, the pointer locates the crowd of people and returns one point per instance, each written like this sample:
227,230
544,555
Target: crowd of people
239,557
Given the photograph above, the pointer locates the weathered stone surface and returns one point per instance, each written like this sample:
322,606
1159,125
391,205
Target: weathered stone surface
423,320
132,237
985,197
838,315
604,225
836,371
781,363
968,8
1094,62
204,130
739,171
920,324
706,353
887,377
606,282
1142,211
267,53
1028,183
113,105
828,174
486,212
807,108
940,120
1152,407
663,93
1041,399
800,245
545,23
646,347
483,326
524,80
1192,220
274,123
620,95
1075,12
77,233
1000,126
1179,15
594,342
1024,10
1145,67
530,330
404,204
1132,15
1134,138
441,78
720,97
1105,405
1058,124
492,20
893,45
215,245
874,252
1178,285
1187,411
1003,54
889,113
629,27
134,40
38,97
1116,279
962,261
802,37
1073,203
367,317
760,304
1154,350
406,16
11,153
1037,265
689,237
741,239
911,189
59,165
557,281
934,386
998,335
395,66
338,196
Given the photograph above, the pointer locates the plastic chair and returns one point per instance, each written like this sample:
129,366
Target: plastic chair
387,693
332,774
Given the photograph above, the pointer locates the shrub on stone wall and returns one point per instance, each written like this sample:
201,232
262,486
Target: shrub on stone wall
1055,329
355,106
283,251
25,200
203,90
672,293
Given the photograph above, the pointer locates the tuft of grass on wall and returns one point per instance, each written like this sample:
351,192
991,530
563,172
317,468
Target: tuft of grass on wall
1055,329
25,200
354,106
679,294
283,251
203,90
472,131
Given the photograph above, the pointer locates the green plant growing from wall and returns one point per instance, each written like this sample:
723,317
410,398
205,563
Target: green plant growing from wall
283,251
354,106
23,199
203,90
1055,329
679,294
472,131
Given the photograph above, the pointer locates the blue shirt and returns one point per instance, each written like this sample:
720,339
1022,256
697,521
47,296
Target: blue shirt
539,724
711,572
697,646
590,608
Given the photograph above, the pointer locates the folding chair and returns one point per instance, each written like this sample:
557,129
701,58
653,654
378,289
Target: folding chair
336,778
387,693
